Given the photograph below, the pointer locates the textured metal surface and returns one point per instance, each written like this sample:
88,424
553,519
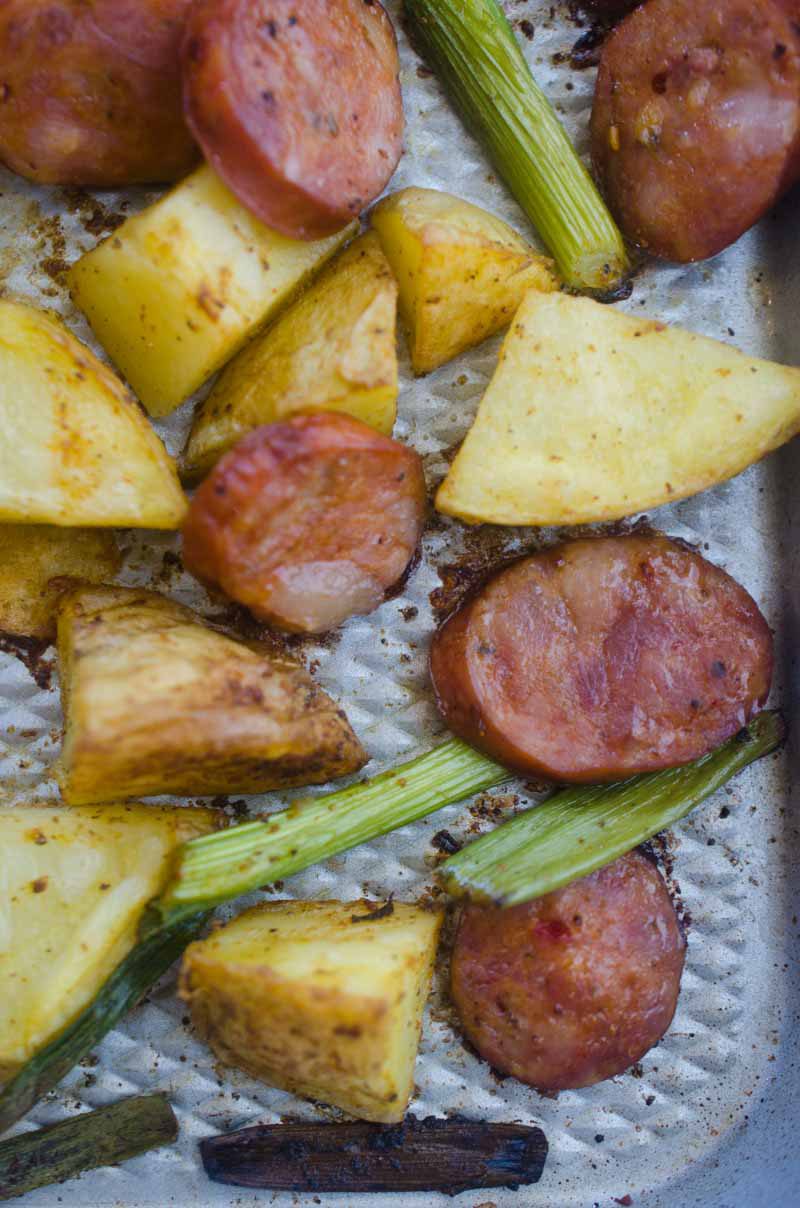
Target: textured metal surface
707,1118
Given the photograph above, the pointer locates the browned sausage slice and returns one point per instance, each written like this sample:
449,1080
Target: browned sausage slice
308,522
602,658
297,105
90,91
576,986
696,120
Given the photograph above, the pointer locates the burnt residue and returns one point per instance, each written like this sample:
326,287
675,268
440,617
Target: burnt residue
372,916
31,652
238,622
492,808
660,851
96,218
444,842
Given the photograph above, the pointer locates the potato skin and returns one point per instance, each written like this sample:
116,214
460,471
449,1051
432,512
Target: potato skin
91,92
156,702
308,522
575,987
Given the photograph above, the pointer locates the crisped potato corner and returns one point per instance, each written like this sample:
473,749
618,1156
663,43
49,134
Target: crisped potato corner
462,272
593,414
76,449
319,998
333,350
155,702
32,556
74,882
180,287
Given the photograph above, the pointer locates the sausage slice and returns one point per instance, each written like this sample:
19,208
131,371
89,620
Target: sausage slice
308,522
90,91
696,120
297,105
576,986
602,658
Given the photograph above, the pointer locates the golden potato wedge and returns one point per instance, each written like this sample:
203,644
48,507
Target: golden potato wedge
323,999
76,449
462,272
333,350
74,884
32,556
180,287
155,702
593,414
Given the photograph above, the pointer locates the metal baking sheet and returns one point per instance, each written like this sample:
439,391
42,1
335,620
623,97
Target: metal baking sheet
706,1118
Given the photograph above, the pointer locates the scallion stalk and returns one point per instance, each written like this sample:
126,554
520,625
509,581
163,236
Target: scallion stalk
218,867
100,1138
579,830
471,47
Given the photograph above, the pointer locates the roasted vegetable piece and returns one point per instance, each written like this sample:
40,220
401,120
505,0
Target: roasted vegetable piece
180,287
75,883
462,272
417,1155
296,106
308,522
76,449
601,658
593,414
207,874
576,986
471,47
696,120
324,999
32,556
333,350
579,830
133,977
155,702
100,1138
92,91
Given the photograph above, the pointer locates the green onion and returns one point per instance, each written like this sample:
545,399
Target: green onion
218,867
470,45
130,980
579,830
100,1138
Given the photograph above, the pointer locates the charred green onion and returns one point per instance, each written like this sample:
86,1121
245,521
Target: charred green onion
100,1138
470,46
581,829
128,983
417,1155
216,868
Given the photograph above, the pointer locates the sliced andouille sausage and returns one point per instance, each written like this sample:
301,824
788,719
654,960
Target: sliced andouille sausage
308,522
696,120
90,91
297,105
601,658
574,987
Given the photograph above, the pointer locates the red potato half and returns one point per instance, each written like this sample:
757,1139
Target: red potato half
575,987
308,522
90,91
696,120
602,658
297,106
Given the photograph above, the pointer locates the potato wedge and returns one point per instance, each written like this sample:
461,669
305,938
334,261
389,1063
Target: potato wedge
323,999
155,702
462,272
32,556
179,288
76,449
593,414
333,350
74,884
